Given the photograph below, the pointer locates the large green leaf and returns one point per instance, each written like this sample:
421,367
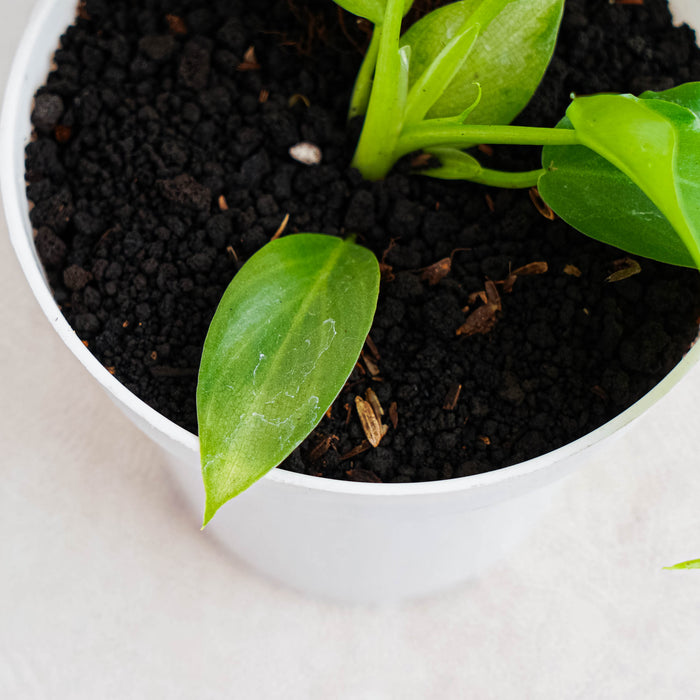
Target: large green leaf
282,343
373,10
635,184
596,198
509,57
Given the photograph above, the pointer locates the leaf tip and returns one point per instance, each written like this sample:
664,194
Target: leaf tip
210,510
692,564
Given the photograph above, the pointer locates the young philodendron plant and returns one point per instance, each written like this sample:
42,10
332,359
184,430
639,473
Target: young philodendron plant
621,169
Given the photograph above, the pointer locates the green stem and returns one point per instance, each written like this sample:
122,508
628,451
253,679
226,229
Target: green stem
506,180
375,151
363,83
425,136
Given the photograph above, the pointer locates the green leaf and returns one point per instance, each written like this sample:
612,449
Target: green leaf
433,81
454,165
593,196
508,59
693,564
458,165
686,95
282,343
637,186
373,10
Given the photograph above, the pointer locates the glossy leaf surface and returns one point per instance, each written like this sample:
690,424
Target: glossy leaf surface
282,343
453,165
515,44
373,10
596,198
431,84
635,186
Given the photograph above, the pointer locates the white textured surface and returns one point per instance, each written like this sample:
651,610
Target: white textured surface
107,592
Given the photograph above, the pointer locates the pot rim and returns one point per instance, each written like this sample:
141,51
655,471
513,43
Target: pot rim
13,125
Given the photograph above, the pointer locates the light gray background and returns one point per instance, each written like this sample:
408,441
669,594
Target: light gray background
107,591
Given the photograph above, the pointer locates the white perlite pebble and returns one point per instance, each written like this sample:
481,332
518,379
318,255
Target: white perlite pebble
306,153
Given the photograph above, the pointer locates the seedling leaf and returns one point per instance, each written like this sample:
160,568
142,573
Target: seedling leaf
282,343
509,57
636,186
433,81
454,165
596,198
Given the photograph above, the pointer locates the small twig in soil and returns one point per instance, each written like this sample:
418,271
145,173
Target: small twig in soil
315,28
452,396
281,228
394,414
323,446
351,39
298,97
387,271
373,348
437,271
533,268
249,62
370,364
482,320
541,206
371,425
362,447
623,269
359,474
373,400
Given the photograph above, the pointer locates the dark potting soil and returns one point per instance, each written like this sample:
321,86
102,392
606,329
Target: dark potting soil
161,163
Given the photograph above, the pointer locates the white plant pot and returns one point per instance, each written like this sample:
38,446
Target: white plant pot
340,540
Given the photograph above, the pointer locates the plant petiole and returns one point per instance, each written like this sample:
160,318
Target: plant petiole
375,149
363,84
427,135
491,178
